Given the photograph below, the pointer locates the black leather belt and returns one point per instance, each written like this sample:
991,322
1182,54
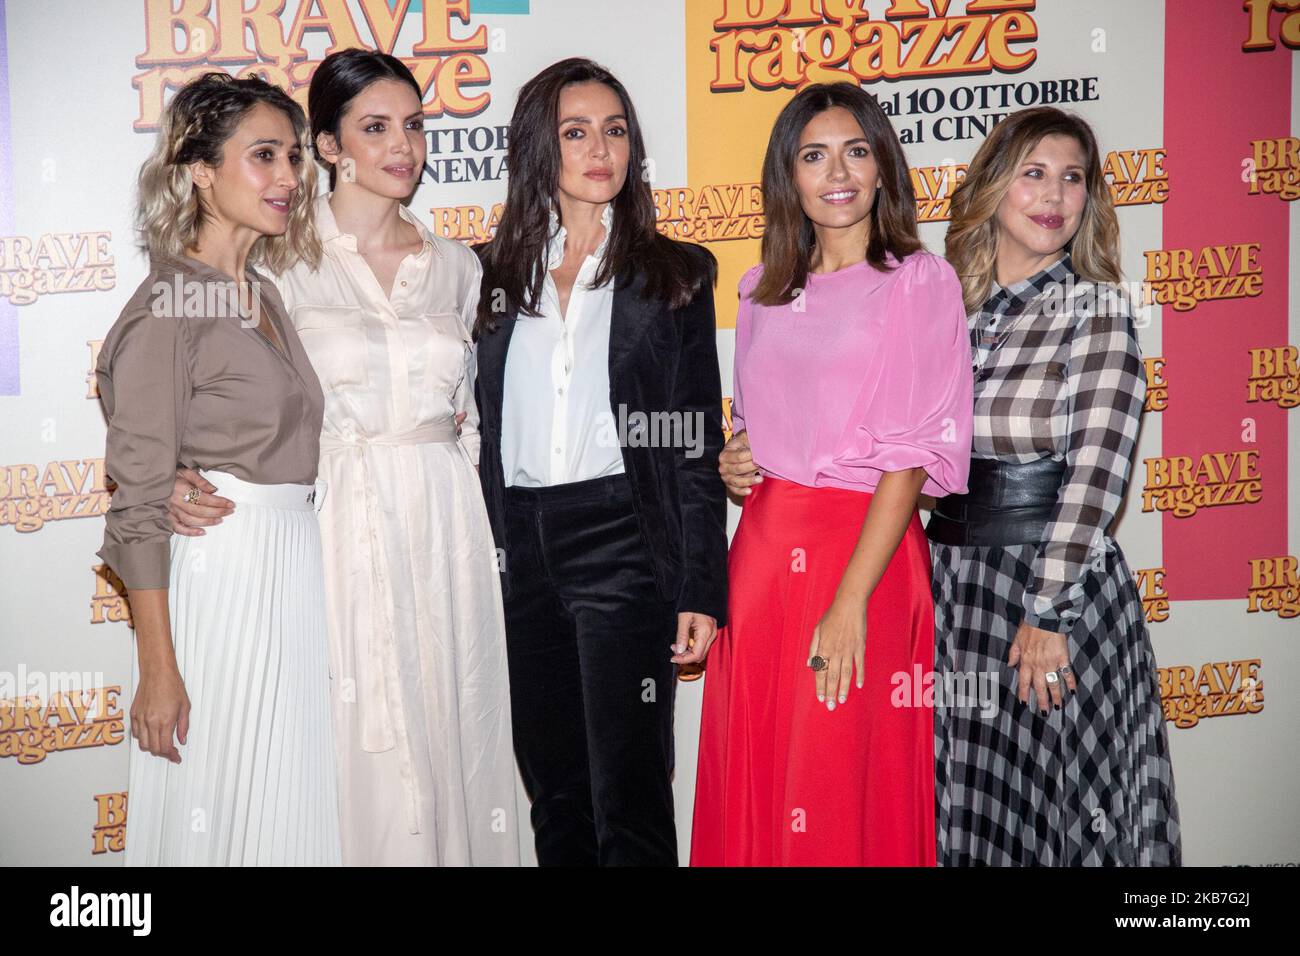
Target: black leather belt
1007,504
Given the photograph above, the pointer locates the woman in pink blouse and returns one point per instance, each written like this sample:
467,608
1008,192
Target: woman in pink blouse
852,379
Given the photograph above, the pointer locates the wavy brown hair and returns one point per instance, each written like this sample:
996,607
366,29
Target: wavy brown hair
971,246
195,126
514,261
788,237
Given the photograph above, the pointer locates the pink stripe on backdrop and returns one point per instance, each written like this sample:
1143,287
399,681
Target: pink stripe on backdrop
1217,100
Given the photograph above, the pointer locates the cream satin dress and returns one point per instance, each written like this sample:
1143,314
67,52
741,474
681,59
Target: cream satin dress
420,693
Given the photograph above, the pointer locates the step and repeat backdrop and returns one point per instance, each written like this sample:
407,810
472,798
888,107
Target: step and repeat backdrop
1196,105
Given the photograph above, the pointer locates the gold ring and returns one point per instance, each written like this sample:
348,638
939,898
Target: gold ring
192,496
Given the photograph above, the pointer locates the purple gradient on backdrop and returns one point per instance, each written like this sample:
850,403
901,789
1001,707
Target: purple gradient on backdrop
9,382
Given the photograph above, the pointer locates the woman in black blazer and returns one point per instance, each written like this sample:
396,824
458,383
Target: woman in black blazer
600,416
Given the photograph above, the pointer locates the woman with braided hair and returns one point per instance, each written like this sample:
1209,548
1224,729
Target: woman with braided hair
416,637
231,712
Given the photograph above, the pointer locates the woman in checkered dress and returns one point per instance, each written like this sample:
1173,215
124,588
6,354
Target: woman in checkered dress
1050,744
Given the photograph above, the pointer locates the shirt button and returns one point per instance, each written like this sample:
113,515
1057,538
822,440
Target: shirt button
559,391
403,283
557,451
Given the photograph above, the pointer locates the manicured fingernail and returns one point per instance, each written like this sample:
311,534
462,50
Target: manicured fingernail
1056,707
830,705
843,698
821,698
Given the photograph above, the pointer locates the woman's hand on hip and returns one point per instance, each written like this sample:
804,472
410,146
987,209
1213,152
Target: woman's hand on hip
1041,656
191,517
736,465
695,635
840,639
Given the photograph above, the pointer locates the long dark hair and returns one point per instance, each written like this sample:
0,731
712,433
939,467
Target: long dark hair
788,237
514,262
338,81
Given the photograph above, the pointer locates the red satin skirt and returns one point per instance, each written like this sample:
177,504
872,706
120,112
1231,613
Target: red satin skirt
781,780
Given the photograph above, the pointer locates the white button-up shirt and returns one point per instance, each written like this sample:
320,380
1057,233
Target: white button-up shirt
389,360
556,422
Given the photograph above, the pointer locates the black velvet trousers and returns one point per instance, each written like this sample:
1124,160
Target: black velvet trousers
588,640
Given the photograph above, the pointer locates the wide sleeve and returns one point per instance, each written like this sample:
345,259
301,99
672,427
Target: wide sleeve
697,395
1105,388
744,307
144,384
464,399
916,412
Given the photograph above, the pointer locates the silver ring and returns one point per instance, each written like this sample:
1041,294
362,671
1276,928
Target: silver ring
1053,677
1063,669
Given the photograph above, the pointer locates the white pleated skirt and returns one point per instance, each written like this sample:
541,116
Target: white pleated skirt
256,783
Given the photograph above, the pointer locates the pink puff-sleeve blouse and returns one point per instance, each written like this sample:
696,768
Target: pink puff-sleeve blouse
866,372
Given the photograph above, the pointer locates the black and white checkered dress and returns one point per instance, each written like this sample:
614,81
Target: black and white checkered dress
1058,375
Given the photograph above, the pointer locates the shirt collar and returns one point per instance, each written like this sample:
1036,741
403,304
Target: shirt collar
1021,292
555,247
328,228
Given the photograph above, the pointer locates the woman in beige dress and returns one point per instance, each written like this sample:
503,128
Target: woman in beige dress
417,644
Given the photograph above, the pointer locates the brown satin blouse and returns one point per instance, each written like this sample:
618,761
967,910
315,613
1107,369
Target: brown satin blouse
183,381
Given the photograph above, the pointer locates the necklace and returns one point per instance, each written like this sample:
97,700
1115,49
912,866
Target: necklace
982,354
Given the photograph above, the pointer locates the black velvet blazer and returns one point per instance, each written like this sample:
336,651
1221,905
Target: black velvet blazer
660,360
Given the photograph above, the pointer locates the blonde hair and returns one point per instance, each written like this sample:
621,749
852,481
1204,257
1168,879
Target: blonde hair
195,126
971,245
